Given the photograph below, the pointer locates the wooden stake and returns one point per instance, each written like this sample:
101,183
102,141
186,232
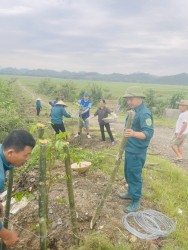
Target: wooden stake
8,202
115,170
71,194
43,196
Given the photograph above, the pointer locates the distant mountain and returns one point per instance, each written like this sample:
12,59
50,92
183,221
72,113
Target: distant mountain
181,79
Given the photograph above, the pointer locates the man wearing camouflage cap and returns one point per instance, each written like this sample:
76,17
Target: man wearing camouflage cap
139,137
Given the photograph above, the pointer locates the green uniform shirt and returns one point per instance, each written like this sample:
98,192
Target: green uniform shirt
4,166
143,122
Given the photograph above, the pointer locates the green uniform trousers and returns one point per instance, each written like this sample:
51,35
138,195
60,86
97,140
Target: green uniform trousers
133,174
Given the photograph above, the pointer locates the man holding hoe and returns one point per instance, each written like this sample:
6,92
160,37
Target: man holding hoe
135,150
14,151
85,106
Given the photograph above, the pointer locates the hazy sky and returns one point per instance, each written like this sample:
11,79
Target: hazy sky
106,36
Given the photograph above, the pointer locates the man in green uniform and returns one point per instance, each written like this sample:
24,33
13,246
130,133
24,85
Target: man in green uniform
135,151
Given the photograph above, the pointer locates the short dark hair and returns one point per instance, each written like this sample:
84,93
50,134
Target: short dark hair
18,140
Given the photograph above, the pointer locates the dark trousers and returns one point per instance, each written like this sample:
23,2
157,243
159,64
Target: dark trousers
107,126
133,174
58,128
38,111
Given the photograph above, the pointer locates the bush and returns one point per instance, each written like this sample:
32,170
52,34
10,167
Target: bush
160,107
67,91
150,100
123,104
175,98
10,118
96,93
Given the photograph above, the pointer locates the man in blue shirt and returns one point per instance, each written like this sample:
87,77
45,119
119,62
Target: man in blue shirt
139,137
85,106
57,113
14,151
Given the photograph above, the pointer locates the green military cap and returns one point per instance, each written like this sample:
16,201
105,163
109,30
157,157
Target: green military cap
134,91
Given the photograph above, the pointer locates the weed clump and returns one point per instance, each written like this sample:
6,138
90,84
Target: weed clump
98,241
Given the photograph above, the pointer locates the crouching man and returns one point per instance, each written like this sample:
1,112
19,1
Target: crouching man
14,152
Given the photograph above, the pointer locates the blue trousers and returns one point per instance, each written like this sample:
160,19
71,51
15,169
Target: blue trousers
133,174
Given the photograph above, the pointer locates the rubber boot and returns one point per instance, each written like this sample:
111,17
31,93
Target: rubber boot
124,195
132,207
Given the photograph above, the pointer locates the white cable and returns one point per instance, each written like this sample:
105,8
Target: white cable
150,224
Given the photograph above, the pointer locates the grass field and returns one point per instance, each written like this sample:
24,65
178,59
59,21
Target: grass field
115,88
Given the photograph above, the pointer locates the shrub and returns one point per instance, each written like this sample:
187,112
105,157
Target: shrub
150,99
10,118
175,98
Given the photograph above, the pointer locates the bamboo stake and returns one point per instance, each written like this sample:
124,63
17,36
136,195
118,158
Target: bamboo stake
71,194
40,130
43,196
115,170
8,202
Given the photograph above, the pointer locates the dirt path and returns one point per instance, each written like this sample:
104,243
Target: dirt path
32,94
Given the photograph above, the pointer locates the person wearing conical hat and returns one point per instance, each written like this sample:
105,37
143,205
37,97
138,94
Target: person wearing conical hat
139,137
85,106
57,114
181,130
38,106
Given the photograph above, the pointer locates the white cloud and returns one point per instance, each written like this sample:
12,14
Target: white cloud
105,36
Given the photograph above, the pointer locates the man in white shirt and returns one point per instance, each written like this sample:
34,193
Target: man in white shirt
181,130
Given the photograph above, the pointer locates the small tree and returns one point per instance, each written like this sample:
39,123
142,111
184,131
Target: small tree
67,91
96,93
150,99
160,107
123,103
175,98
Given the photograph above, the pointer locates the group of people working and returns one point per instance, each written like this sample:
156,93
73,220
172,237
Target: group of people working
58,112
17,147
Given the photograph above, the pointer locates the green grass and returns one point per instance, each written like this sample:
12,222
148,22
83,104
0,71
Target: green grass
165,189
165,122
167,186
116,88
98,241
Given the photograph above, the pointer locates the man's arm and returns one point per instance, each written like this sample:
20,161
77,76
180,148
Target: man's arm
146,132
132,133
8,237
